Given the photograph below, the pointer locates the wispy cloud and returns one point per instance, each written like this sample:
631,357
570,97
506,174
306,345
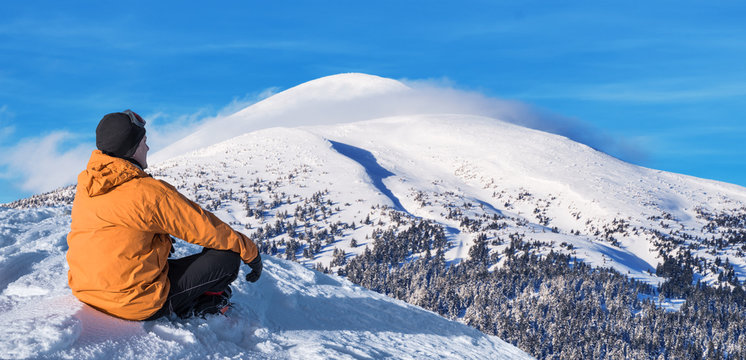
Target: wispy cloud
5,118
64,32
165,129
723,139
306,46
672,90
44,163
440,96
5,132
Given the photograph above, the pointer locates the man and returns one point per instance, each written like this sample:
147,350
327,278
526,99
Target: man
119,240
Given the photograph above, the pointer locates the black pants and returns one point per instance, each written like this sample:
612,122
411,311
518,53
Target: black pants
211,270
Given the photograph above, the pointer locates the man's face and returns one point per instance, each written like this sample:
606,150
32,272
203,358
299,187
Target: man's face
141,154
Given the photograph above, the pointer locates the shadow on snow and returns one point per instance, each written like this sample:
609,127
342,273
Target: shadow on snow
374,170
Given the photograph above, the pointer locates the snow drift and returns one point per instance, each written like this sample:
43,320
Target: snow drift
292,312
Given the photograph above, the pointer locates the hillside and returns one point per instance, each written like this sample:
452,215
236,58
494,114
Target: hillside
472,176
292,312
520,233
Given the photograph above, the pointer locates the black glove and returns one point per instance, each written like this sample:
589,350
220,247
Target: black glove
256,269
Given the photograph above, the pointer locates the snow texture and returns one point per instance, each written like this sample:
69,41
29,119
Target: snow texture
456,159
291,312
345,137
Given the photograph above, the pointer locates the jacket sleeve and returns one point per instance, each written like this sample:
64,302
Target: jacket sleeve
176,215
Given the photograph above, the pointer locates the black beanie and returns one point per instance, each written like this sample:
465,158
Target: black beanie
116,135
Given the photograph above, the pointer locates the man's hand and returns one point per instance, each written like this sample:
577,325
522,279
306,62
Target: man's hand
256,269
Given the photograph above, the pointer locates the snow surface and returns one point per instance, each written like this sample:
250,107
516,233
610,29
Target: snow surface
291,312
457,159
361,142
476,157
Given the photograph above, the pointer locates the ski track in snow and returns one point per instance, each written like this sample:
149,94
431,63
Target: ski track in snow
291,312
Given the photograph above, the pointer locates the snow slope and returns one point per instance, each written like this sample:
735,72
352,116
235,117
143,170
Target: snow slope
546,187
370,141
329,164
481,159
292,312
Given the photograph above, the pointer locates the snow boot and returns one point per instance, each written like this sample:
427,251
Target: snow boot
211,303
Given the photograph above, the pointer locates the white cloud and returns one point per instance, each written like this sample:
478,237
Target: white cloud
6,131
238,104
668,91
164,129
5,117
44,163
439,96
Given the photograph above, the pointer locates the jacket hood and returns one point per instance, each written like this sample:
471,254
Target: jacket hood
103,173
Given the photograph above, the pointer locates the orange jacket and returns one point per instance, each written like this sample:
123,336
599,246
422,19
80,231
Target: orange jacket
118,241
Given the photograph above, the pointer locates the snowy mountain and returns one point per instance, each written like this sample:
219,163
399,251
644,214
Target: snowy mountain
328,100
543,186
410,195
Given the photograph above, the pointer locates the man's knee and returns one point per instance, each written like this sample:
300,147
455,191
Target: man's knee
229,260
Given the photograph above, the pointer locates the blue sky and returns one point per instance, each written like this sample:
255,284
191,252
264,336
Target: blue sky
666,78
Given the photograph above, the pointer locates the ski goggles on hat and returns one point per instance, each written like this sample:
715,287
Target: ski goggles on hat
136,119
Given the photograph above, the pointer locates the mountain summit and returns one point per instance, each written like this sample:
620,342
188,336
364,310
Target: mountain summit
518,232
328,100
